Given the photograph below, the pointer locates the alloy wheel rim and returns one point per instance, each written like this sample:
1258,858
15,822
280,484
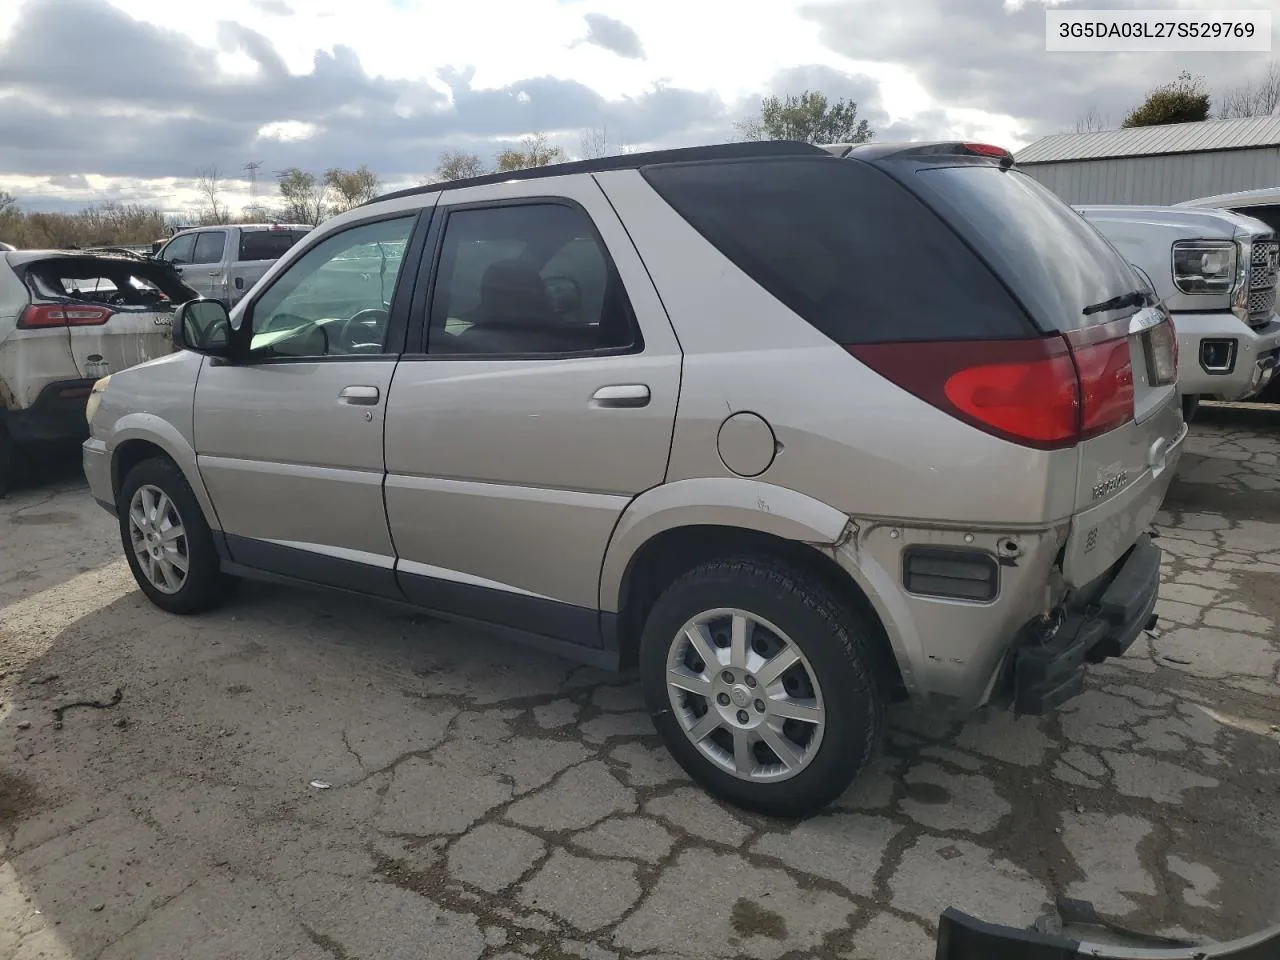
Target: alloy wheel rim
745,695
159,539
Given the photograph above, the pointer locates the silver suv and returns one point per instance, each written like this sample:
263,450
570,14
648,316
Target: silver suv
798,430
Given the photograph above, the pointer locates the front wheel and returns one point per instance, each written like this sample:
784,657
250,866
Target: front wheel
168,544
764,687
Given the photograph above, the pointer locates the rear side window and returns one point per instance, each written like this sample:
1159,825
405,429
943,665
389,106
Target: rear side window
1053,259
845,246
267,244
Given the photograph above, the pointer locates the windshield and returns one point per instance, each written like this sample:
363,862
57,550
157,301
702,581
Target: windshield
1053,259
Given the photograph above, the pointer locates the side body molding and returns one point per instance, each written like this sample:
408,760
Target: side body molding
161,433
714,501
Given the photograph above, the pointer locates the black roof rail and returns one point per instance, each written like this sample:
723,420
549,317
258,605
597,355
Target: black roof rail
630,161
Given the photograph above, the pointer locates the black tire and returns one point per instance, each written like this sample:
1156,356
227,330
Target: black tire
7,459
842,649
205,586
1190,405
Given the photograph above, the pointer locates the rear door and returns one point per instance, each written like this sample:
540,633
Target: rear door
1074,282
542,403
257,248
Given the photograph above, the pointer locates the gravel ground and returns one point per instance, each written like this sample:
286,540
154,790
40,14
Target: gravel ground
484,800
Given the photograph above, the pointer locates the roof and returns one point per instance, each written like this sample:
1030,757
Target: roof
1152,141
629,161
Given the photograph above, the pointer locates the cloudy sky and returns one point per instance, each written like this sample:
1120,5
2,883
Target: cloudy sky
129,99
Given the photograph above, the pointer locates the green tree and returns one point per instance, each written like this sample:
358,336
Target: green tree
350,188
1185,100
304,196
809,117
537,151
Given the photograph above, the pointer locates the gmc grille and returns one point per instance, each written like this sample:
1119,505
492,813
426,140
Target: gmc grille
1262,282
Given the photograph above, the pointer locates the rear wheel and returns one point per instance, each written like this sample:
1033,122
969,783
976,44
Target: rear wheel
764,687
167,541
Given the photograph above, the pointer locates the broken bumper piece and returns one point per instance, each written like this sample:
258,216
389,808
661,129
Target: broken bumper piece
1110,615
962,937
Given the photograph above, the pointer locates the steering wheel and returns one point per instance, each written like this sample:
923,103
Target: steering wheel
368,317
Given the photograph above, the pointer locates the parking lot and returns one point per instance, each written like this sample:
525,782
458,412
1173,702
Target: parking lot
299,775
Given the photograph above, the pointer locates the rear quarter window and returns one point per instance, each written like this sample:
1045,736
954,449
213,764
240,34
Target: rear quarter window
845,246
267,244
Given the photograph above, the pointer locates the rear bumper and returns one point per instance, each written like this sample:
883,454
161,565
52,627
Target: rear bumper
1241,361
1102,620
57,414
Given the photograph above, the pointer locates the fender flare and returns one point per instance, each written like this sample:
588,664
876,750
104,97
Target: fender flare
160,433
718,501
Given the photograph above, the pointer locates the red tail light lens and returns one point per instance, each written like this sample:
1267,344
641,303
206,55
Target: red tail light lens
44,315
1024,391
1048,393
1104,364
987,150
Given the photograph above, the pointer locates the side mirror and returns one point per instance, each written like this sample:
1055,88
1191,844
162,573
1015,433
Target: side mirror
203,326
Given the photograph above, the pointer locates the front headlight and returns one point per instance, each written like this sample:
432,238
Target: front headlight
1205,266
95,398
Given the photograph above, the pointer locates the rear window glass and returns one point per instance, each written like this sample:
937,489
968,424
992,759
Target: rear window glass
267,244
1052,258
845,246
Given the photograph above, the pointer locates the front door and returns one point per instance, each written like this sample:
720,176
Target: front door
289,440
543,402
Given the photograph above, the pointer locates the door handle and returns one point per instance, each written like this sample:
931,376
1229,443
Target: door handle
361,396
621,395
215,273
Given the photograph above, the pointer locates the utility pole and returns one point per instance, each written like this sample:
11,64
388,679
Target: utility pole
252,168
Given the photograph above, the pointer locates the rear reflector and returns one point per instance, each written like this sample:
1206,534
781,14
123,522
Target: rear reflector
44,315
1048,393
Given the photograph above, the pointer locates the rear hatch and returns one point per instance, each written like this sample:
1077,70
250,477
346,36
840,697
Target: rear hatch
117,309
1084,297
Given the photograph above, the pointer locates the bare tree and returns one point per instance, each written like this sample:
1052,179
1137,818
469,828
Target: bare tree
594,143
212,207
1255,98
458,165
305,196
538,152
1092,122
350,188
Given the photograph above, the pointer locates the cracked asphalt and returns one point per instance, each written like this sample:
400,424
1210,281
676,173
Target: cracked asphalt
304,775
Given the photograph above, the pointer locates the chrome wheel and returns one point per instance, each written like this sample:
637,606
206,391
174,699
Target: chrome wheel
745,695
159,539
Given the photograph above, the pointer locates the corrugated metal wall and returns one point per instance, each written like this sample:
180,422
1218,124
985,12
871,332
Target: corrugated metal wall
1159,179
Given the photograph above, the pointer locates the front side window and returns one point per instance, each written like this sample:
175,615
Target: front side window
209,246
529,280
180,249
335,299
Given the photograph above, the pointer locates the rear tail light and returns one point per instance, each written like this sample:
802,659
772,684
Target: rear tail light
1048,393
987,150
43,315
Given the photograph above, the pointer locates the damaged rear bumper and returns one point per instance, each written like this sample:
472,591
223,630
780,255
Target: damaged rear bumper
962,937
1102,620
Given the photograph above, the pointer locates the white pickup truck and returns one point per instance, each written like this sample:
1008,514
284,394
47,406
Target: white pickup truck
1216,272
223,262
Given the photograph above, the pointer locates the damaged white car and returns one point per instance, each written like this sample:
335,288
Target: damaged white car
68,319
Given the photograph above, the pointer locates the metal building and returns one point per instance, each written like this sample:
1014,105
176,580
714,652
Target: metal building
1158,165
